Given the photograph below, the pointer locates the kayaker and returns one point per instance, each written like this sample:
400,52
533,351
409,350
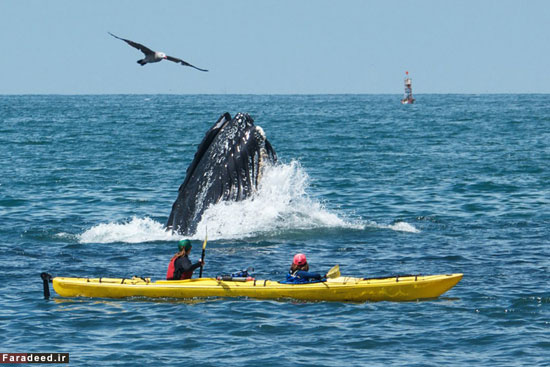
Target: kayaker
299,271
180,267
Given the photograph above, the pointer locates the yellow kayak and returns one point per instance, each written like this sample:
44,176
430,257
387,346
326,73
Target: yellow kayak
400,288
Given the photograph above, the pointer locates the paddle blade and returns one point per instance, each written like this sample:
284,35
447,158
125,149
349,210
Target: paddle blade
205,238
334,272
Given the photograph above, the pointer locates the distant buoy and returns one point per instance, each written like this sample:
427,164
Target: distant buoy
408,98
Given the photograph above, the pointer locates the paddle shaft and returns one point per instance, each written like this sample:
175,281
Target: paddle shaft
202,261
203,252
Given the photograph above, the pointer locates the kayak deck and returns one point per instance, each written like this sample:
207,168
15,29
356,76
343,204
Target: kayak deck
404,288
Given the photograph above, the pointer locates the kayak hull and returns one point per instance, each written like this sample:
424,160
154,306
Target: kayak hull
406,288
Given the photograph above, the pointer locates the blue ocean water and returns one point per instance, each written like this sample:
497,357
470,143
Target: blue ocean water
453,183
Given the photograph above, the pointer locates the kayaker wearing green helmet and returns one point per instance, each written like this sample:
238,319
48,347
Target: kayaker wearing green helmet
180,267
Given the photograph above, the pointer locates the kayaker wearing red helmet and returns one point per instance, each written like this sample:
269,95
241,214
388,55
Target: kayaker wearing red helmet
299,271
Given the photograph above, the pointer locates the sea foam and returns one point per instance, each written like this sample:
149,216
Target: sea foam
280,204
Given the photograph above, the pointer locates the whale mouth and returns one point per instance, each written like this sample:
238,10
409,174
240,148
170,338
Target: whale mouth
227,166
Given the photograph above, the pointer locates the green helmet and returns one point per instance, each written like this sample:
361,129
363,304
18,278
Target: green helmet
184,244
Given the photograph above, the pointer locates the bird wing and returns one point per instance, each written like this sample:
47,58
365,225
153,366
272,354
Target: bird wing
175,59
139,46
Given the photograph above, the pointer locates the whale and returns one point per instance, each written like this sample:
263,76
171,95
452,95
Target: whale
227,166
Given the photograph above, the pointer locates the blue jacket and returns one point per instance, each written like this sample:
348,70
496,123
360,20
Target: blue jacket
302,276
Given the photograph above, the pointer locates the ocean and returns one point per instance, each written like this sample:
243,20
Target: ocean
450,184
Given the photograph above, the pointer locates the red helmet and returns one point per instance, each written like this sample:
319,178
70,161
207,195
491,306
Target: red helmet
299,259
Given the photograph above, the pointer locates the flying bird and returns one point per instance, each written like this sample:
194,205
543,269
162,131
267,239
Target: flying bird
153,56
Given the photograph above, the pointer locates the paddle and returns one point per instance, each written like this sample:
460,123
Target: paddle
203,251
334,272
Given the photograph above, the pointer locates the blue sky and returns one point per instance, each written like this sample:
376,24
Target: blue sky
275,47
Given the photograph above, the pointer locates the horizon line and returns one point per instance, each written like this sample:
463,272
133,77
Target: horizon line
269,94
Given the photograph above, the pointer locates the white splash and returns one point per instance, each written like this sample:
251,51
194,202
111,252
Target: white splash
137,230
281,204
403,227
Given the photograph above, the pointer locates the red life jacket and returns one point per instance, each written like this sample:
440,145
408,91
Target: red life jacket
172,269
170,272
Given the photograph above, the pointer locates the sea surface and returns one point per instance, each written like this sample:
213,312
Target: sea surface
451,184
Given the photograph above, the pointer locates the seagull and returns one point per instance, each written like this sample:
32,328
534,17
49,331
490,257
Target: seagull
152,56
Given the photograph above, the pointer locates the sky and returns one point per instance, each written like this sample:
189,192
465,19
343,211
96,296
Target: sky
275,47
